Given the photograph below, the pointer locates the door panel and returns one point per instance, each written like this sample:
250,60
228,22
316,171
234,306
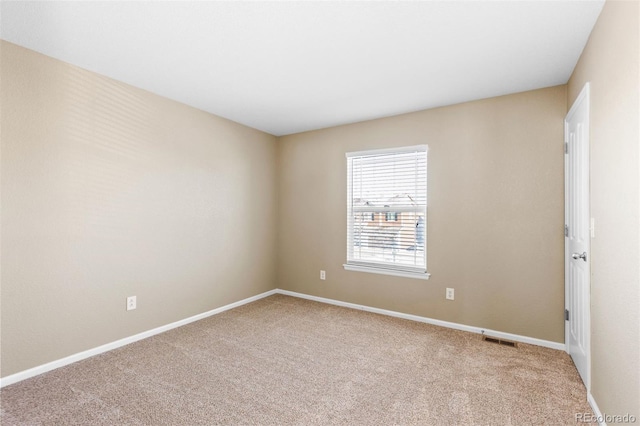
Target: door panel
577,241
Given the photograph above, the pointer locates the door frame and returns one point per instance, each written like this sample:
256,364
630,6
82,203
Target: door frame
583,97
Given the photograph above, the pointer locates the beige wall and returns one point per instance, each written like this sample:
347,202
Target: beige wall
610,63
495,215
110,191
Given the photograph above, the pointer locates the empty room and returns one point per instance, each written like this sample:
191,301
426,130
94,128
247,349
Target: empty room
319,212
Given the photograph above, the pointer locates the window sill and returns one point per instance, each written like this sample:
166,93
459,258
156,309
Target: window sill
416,275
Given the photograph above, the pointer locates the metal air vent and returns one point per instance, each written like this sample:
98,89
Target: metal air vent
500,341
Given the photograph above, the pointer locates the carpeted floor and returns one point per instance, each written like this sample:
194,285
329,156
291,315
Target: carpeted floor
283,360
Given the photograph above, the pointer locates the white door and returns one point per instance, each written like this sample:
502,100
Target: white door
577,235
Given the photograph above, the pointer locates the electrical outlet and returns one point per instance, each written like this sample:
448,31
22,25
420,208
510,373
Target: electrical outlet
131,303
450,294
323,275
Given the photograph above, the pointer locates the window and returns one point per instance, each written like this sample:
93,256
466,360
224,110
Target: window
392,182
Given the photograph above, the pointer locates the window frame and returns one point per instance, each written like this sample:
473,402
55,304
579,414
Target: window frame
382,268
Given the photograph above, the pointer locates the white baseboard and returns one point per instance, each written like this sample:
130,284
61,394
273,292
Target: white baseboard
596,410
456,326
17,377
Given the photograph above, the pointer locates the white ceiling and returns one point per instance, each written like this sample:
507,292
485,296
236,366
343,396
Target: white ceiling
288,67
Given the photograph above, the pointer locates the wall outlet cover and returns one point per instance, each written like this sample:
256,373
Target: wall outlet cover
131,303
450,294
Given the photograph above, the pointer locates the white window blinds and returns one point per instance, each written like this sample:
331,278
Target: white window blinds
386,209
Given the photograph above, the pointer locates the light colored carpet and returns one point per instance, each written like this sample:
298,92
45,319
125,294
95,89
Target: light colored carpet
283,360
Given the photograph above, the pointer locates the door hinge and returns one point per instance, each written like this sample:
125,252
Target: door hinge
566,230
566,147
566,315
